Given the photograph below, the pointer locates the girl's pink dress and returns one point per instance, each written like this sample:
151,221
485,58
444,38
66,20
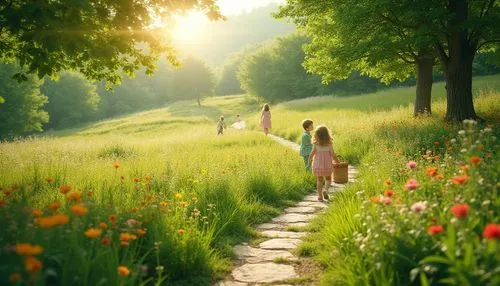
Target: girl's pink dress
322,164
266,119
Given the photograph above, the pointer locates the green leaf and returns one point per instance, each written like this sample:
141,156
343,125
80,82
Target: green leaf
436,259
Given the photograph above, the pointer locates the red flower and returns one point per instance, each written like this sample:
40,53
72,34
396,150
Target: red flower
475,160
460,180
435,229
460,210
492,231
388,193
431,171
387,182
105,241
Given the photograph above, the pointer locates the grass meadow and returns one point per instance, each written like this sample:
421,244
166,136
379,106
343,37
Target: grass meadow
152,198
424,210
155,198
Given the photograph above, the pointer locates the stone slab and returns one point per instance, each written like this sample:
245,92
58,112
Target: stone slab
314,204
303,210
283,234
293,217
257,255
280,243
230,283
264,272
297,224
270,226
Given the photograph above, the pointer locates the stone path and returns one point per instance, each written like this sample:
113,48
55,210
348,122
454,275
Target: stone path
272,261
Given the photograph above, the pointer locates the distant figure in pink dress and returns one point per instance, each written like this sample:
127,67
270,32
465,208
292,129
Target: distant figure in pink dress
265,119
324,157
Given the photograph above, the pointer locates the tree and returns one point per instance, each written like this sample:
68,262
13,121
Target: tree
72,100
194,80
21,112
99,38
374,31
228,83
375,37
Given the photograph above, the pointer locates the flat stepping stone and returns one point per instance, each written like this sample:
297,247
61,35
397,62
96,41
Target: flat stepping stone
293,217
283,234
264,272
303,210
280,243
267,226
230,283
314,204
257,255
297,224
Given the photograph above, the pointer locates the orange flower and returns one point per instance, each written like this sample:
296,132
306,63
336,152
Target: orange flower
435,229
74,197
116,165
137,180
436,158
112,218
60,219
398,153
15,277
79,210
28,249
181,231
7,192
36,212
465,168
55,206
184,204
439,176
123,271
65,189
387,182
460,180
93,233
32,264
375,200
163,204
124,243
103,225
431,171
51,221
178,196
475,160
140,232
125,236
49,180
388,193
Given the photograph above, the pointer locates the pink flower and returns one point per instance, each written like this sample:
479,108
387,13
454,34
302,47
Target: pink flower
412,184
418,207
411,164
387,201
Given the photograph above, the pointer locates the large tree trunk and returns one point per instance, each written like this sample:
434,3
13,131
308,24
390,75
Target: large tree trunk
424,86
458,65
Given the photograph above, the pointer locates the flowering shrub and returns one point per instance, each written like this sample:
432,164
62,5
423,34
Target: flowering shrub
442,225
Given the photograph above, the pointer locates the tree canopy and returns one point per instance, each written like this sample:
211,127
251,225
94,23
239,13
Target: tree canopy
101,39
194,80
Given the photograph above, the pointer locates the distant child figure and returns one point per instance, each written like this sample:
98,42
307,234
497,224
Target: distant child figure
306,145
221,125
265,119
324,157
239,124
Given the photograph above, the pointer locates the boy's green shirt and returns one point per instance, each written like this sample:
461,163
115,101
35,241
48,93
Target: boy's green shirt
306,145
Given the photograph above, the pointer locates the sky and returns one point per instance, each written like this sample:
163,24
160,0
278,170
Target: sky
235,7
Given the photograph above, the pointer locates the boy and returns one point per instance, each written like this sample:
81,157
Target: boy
221,125
305,144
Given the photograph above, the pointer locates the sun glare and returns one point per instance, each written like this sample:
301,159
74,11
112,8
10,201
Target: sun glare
188,28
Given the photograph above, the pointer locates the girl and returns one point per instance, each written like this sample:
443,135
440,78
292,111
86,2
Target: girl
324,157
221,125
239,124
265,119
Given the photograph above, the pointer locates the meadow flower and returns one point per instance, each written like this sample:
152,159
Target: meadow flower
103,225
65,189
32,264
125,236
439,177
431,171
163,203
74,197
460,180
105,241
36,212
140,232
196,213
60,219
112,218
116,165
132,222
412,184
49,180
475,160
137,180
51,221
181,231
460,210
28,249
184,204
55,206
93,233
7,192
419,207
15,277
123,271
411,164
388,193
461,132
79,210
492,231
178,196
387,182
375,199
387,201
435,229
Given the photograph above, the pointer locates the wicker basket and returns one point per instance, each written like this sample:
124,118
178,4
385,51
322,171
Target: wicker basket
340,174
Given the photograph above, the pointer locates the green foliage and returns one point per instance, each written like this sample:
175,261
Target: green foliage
21,113
228,83
194,80
100,39
72,100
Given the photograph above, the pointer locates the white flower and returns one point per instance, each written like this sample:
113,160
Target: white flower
487,129
463,150
453,140
485,203
461,132
419,207
454,220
